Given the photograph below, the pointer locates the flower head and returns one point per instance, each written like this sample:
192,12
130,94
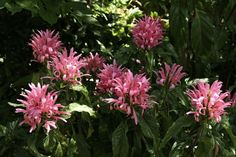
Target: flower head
93,62
172,75
148,32
130,91
107,76
66,67
45,45
40,107
208,100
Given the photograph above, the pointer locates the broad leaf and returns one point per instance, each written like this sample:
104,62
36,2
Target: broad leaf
120,145
76,107
175,128
202,32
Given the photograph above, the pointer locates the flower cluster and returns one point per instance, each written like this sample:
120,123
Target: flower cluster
148,32
67,67
93,62
208,100
108,75
45,45
130,91
40,108
170,75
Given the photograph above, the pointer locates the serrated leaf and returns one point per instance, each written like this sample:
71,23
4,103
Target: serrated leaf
76,107
120,145
175,128
15,104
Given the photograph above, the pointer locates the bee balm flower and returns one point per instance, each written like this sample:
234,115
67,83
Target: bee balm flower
107,76
208,101
172,75
130,91
40,108
148,32
93,62
66,67
45,45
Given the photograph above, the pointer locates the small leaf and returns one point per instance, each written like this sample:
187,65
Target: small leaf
59,151
80,108
83,90
3,130
120,145
15,104
175,128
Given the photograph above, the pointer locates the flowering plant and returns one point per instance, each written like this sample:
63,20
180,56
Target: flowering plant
113,78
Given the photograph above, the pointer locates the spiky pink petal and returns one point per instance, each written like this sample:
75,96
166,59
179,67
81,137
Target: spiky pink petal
45,45
148,32
40,107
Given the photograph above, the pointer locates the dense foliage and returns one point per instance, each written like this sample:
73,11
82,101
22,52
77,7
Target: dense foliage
129,96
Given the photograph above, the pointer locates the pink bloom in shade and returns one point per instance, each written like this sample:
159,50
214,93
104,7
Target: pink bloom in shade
66,67
171,74
148,32
208,100
45,45
40,107
130,91
93,62
108,75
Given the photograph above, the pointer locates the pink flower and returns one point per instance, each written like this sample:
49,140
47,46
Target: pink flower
45,45
107,76
40,107
172,75
148,32
130,91
93,62
66,67
208,100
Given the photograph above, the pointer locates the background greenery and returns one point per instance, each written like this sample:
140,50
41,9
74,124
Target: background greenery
199,34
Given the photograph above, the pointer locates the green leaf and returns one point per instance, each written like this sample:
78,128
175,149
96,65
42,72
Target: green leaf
83,90
145,128
175,128
205,147
59,151
72,148
202,32
2,3
3,130
15,104
28,5
120,145
49,143
12,7
76,107
229,131
178,22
